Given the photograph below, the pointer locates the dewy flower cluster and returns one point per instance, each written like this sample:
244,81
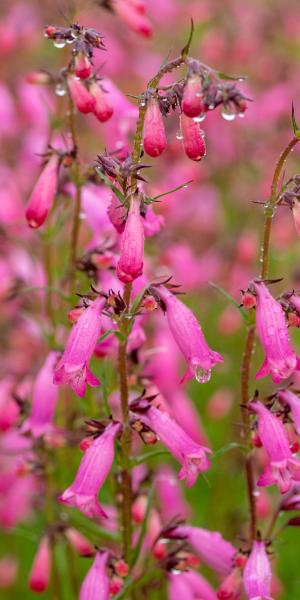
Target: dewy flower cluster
116,331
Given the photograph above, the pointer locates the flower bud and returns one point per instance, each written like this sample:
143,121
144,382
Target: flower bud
38,78
81,97
43,194
121,568
249,300
103,109
192,104
80,543
83,67
193,140
40,572
115,585
155,141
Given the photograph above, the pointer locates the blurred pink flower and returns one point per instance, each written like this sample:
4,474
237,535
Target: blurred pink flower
40,572
43,195
44,399
211,547
95,585
257,573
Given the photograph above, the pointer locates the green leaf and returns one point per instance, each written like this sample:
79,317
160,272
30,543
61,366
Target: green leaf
294,123
137,301
222,75
228,447
138,460
231,300
179,187
138,546
186,49
107,181
105,335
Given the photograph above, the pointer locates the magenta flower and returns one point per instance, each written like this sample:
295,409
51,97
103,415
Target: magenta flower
95,585
280,361
130,265
257,574
192,138
40,572
171,502
73,368
43,194
44,399
93,470
293,401
83,100
192,101
190,455
102,109
282,469
155,141
189,337
211,547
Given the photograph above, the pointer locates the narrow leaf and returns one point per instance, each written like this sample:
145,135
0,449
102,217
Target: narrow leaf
231,300
186,49
107,181
138,460
294,123
222,75
179,187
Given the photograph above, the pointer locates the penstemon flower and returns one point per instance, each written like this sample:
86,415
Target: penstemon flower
103,110
280,361
155,141
192,102
192,138
282,469
83,100
93,470
40,572
82,65
73,367
44,399
95,585
130,265
190,455
189,337
257,573
43,195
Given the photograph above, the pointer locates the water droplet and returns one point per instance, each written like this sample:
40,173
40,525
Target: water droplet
179,135
200,118
202,375
198,94
60,89
241,115
241,79
71,41
59,43
143,103
211,106
228,116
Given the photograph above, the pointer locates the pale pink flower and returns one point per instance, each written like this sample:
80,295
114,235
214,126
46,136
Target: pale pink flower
73,367
44,399
283,469
40,572
190,455
83,100
155,141
189,337
189,585
192,138
293,401
95,585
211,547
93,470
130,265
280,361
43,195
257,573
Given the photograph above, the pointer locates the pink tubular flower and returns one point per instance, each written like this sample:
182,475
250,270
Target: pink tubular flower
280,361
293,401
83,100
102,109
133,16
211,547
155,141
189,337
80,543
40,572
282,469
44,399
73,368
95,585
192,104
192,138
93,470
190,455
130,265
43,194
83,67
257,574
171,502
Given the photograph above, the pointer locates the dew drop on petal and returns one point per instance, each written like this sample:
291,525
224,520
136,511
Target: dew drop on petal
200,118
228,116
202,375
59,43
179,135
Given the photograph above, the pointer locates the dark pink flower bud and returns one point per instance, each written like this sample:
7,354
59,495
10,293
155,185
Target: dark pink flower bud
192,103
132,14
155,141
121,568
79,542
40,572
102,109
130,265
83,100
192,138
43,194
83,67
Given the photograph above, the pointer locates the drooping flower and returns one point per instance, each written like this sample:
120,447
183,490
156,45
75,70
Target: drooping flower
83,100
83,66
93,470
95,585
283,469
192,102
190,455
133,16
44,399
280,361
42,197
211,547
130,264
40,572
73,367
155,141
189,337
79,542
199,585
192,138
103,110
257,573
293,401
